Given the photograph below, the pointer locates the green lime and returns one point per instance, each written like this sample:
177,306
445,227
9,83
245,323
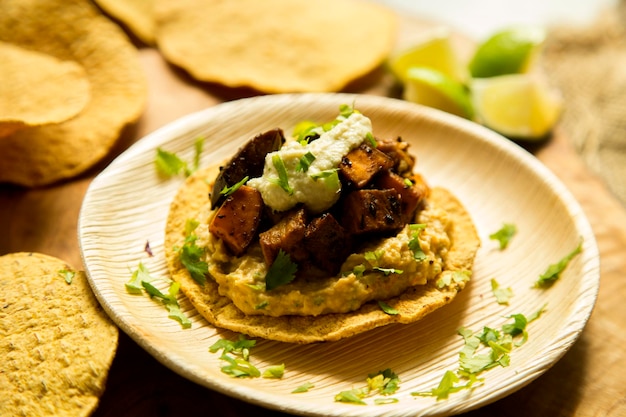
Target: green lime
510,51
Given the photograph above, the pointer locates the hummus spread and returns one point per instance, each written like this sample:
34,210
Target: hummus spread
381,269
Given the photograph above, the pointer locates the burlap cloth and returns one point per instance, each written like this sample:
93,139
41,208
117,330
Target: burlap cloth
588,65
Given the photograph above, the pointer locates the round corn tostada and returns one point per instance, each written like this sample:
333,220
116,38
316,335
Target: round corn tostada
398,276
56,342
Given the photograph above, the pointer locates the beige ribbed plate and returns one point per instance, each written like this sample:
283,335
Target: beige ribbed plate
127,204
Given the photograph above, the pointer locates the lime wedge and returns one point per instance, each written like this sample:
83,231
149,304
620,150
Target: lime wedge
520,106
433,88
510,51
434,51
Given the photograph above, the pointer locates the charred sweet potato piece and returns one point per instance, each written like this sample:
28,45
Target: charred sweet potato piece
288,235
372,211
398,150
248,161
411,190
360,165
327,243
237,220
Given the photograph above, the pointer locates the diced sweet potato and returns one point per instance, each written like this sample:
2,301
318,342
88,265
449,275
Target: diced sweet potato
372,211
327,243
398,150
412,191
288,235
237,220
248,161
360,165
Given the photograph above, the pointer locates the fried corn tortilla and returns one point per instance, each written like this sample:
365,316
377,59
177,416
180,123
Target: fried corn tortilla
56,343
275,46
38,89
136,15
72,30
412,305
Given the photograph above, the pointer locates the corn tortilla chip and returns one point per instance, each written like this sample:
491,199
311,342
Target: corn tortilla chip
56,343
72,30
38,89
136,15
275,46
413,305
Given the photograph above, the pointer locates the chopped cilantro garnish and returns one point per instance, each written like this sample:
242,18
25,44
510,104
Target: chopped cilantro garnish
387,271
407,183
226,191
387,308
305,162
414,243
504,235
275,372
67,275
381,383
371,140
304,131
141,281
281,272
190,254
447,386
552,274
303,388
455,277
283,179
169,164
330,177
503,295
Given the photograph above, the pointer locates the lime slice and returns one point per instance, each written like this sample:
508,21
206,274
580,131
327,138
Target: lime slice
434,51
434,89
519,106
511,51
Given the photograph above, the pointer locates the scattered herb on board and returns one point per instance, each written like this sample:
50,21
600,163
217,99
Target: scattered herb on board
170,164
504,235
141,281
553,272
482,351
503,295
236,354
303,388
384,383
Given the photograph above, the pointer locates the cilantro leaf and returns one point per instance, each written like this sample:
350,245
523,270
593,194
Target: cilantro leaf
190,255
388,309
274,372
303,388
226,191
168,163
504,235
141,281
503,295
552,274
329,176
447,386
371,140
305,162
283,178
67,275
354,396
281,272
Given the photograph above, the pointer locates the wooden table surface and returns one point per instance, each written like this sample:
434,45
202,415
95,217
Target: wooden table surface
588,381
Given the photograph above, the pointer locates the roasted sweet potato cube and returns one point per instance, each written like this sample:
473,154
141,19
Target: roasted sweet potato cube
237,220
398,151
327,242
412,191
288,235
360,165
372,211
